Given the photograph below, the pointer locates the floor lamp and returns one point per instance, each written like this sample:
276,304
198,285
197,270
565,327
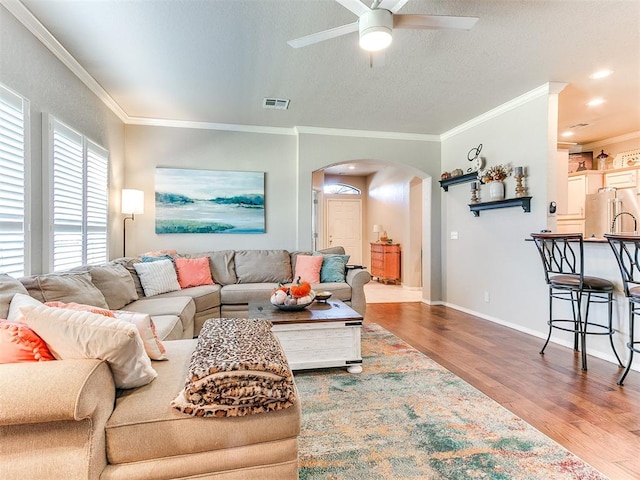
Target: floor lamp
132,203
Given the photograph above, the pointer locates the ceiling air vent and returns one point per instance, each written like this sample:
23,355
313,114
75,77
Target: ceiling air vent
276,103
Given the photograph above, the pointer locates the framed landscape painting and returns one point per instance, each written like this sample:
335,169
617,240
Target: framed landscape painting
209,201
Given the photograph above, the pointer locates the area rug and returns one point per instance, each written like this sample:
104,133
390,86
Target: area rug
406,417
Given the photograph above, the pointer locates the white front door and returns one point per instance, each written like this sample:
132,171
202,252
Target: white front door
344,227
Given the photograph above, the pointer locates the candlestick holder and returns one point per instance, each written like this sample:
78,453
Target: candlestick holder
474,193
520,190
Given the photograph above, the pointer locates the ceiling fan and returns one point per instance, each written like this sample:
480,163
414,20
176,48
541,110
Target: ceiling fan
376,23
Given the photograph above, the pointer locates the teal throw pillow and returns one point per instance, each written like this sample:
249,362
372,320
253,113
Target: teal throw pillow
155,258
333,267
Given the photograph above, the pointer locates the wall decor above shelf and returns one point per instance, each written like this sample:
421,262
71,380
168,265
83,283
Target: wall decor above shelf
524,202
467,177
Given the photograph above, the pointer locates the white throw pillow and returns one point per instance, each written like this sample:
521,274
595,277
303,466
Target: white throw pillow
157,277
79,334
152,344
18,301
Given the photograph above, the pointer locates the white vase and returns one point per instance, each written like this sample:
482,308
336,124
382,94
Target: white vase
496,191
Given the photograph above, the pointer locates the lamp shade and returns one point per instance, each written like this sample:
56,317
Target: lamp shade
132,201
377,228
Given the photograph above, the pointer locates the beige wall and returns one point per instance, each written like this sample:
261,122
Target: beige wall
31,70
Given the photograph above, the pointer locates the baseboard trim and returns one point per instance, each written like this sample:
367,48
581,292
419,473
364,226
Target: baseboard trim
609,358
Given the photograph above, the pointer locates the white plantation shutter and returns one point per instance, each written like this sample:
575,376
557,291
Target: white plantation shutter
79,193
97,203
67,198
13,114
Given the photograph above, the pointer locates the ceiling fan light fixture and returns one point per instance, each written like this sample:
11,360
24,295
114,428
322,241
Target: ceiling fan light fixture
375,30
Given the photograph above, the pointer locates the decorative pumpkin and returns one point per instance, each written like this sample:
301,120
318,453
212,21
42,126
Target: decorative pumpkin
278,297
301,289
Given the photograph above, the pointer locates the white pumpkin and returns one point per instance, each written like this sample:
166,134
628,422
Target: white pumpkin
306,299
278,297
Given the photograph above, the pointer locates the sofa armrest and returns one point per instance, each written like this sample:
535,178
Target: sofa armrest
357,278
57,390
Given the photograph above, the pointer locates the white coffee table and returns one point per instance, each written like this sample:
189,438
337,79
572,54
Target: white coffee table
325,334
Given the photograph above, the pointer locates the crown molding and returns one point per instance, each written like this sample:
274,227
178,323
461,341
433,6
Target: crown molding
230,127
546,89
420,137
31,23
609,141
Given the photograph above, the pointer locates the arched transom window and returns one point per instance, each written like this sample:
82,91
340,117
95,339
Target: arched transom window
341,189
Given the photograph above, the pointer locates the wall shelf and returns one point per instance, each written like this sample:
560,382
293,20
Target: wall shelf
467,177
524,202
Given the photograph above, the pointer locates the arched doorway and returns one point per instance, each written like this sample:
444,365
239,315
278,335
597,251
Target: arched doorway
391,195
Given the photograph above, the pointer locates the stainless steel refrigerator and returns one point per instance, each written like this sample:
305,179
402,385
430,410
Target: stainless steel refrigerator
601,208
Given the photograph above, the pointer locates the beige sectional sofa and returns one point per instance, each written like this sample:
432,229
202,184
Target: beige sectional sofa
65,418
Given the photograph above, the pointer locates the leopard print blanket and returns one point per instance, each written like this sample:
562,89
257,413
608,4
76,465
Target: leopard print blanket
237,368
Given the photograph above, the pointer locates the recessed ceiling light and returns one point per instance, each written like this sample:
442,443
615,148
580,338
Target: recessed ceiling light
595,102
567,134
351,167
600,74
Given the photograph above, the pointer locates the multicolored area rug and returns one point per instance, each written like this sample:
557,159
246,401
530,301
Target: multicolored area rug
406,417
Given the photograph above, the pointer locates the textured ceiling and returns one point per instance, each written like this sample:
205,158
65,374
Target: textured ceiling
214,61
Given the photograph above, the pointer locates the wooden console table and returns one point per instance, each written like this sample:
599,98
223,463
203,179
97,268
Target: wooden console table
385,262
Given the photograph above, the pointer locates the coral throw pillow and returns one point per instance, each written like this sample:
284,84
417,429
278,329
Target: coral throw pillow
193,272
18,343
81,307
308,268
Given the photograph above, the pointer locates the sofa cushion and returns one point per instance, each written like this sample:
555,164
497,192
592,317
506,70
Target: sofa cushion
143,425
115,283
128,263
157,277
9,286
73,334
168,327
204,296
339,290
241,294
261,266
18,343
65,287
308,268
193,272
180,306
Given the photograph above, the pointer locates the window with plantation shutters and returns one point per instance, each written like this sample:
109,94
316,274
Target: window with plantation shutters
13,216
79,199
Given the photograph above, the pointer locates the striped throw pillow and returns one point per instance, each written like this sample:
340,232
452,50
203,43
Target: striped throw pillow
157,277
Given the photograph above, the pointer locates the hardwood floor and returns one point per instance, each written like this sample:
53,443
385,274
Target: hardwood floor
586,412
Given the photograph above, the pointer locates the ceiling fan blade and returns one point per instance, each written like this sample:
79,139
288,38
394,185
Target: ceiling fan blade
434,22
356,6
392,5
324,35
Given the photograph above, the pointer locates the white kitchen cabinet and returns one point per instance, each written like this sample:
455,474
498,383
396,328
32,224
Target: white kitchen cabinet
579,185
621,179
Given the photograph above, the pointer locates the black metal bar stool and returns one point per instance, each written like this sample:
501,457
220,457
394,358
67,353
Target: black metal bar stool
563,261
627,251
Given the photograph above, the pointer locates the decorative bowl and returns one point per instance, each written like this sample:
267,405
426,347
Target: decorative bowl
323,296
293,308
299,306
